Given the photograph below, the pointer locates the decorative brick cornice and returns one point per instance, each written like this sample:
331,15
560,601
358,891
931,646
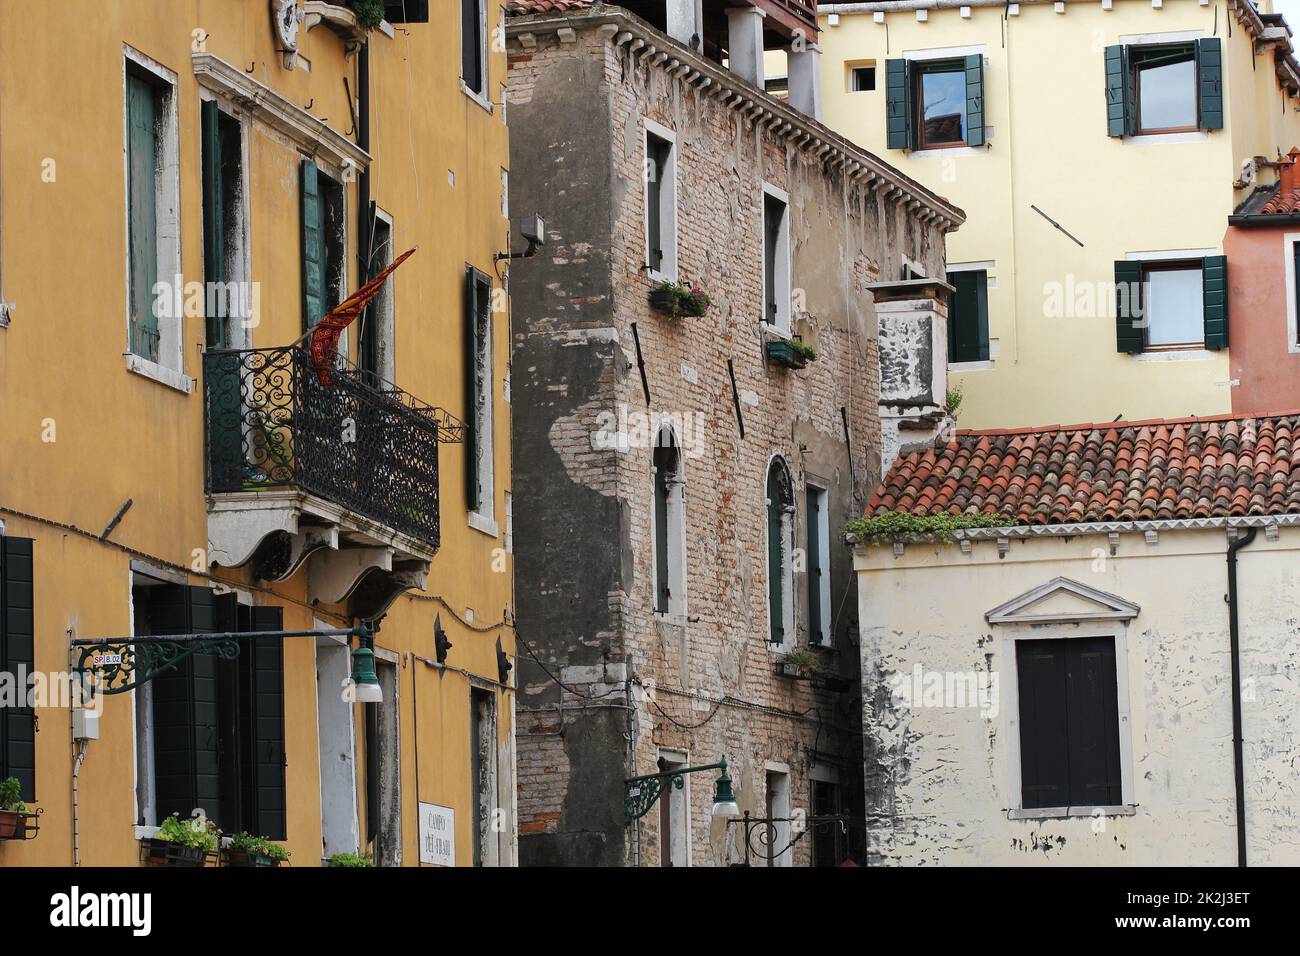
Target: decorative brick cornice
692,70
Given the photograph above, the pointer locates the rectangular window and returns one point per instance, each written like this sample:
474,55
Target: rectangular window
776,259
153,223
1069,723
661,202
968,316
941,100
17,658
473,47
383,771
479,377
818,564
1175,308
375,334
483,771
211,730
1171,303
323,203
862,78
1293,284
228,306
674,814
828,840
1165,84
779,852
933,103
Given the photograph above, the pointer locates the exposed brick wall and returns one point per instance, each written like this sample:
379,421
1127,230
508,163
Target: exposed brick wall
584,294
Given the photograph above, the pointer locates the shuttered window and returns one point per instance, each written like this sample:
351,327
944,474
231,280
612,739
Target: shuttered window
222,169
144,107
1069,723
17,657
661,213
968,316
473,26
478,391
313,245
1174,304
218,725
935,103
1164,88
406,11
818,573
780,509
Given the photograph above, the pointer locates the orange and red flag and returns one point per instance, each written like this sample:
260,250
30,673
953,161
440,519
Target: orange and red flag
325,334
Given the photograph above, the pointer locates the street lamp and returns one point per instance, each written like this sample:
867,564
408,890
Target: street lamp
642,793
365,681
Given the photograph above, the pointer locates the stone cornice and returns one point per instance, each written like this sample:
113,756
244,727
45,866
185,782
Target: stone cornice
692,70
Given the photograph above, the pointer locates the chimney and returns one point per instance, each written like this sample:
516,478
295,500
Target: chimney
1287,171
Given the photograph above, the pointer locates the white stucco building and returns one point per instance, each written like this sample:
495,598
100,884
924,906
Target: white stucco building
1060,690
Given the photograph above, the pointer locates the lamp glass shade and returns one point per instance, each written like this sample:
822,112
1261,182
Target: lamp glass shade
364,679
724,801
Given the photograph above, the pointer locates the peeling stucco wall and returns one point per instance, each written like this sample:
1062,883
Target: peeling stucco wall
939,778
700,683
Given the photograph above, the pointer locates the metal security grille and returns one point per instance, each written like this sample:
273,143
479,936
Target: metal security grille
359,442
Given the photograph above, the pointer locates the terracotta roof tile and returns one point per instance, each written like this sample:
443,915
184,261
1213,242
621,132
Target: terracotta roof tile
1122,471
520,7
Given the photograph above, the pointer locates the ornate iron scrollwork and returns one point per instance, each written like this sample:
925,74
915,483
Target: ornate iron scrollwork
640,793
115,667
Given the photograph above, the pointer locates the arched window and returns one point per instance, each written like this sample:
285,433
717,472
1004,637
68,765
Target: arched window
780,544
669,532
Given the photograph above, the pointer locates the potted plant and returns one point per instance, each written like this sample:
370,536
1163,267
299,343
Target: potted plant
800,665
13,812
791,353
349,860
678,299
248,850
181,842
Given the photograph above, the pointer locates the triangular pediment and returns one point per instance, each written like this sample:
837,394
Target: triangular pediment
1062,600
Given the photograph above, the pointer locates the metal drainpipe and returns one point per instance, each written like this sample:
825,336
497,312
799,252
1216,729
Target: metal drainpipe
363,185
1235,545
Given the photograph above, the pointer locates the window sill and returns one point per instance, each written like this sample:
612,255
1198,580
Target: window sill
1175,355
484,523
1058,813
656,277
1160,139
159,373
940,151
479,98
982,366
776,332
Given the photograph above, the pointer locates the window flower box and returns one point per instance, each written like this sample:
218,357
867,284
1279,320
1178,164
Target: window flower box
677,299
168,853
247,850
789,353
243,858
798,665
18,825
180,843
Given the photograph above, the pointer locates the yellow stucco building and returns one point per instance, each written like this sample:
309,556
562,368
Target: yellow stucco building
1098,147
185,188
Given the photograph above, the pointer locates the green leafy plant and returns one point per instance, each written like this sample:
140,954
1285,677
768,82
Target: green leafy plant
10,796
370,13
350,860
807,351
244,842
904,526
952,400
678,298
806,661
197,834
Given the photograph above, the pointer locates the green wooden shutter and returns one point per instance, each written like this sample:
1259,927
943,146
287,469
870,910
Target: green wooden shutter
778,498
1119,94
1093,714
142,202
975,99
473,391
1214,288
1044,723
261,722
968,317
214,225
1130,317
898,104
1209,70
665,464
185,711
816,627
17,656
313,246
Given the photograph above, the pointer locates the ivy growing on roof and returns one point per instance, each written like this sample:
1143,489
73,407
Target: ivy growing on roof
904,526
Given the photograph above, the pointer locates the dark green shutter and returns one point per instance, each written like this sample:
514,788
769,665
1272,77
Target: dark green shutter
816,627
1044,723
471,50
1130,317
778,498
214,226
313,246
1093,733
968,317
406,11
975,99
142,202
1209,69
261,723
1119,92
1214,288
898,104
665,465
473,377
18,656
185,711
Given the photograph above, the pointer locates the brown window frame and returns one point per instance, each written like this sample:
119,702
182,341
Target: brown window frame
919,69
1135,67
1168,265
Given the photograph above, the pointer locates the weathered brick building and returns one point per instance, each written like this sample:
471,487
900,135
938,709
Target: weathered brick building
680,490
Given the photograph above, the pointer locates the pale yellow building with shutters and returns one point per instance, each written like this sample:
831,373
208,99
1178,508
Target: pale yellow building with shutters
184,189
1092,143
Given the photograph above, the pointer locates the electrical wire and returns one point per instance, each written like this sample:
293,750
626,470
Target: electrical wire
572,690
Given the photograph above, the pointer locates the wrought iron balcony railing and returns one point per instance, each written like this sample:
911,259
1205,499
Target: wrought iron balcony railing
359,442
